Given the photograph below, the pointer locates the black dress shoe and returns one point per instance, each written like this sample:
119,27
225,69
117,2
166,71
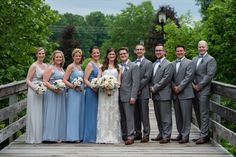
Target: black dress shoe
158,138
178,138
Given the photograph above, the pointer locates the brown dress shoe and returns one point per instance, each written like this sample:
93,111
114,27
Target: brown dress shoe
184,140
129,142
163,141
158,138
202,140
178,138
144,140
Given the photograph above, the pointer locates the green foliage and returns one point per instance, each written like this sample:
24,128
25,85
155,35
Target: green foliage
221,36
24,25
188,34
130,26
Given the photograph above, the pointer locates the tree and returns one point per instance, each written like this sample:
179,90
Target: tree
24,25
187,33
221,36
204,4
68,43
154,36
130,26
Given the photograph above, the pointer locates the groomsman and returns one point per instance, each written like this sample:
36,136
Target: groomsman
205,66
182,94
128,95
141,106
161,94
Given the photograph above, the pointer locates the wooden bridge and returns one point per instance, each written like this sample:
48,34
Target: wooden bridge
10,94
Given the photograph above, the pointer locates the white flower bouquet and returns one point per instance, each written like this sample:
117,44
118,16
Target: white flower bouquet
78,83
59,84
95,83
108,83
40,88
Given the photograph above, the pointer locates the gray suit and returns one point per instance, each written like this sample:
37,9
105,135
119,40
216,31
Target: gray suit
183,100
128,89
141,106
161,83
203,76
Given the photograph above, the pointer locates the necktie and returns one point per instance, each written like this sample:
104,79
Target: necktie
157,63
123,66
178,61
200,57
138,62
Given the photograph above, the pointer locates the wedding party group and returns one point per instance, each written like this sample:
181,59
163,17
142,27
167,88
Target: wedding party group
109,102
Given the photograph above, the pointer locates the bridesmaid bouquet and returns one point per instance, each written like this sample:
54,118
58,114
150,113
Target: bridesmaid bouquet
95,83
78,82
59,84
40,88
109,84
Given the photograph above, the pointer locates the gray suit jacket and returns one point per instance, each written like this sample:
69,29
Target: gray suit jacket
183,79
204,73
161,81
145,70
129,82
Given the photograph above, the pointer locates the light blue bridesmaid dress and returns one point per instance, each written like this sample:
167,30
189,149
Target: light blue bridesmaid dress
54,111
75,110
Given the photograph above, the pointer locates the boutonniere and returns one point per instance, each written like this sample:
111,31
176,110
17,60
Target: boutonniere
126,68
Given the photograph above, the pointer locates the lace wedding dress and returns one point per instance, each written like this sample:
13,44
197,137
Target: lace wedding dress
108,117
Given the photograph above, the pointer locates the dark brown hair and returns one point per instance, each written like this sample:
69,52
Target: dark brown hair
106,61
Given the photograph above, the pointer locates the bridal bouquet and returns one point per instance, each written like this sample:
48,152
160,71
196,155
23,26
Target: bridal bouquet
40,88
95,83
78,82
109,84
59,84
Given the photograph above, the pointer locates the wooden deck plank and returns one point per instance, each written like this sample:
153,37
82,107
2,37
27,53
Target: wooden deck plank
152,149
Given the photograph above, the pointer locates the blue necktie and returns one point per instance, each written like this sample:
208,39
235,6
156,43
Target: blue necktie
138,60
158,61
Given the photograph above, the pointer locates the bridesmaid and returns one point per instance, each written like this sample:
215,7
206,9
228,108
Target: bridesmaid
54,112
34,100
91,96
75,99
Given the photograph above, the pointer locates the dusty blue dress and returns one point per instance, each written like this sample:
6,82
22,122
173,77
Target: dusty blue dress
75,110
91,107
54,111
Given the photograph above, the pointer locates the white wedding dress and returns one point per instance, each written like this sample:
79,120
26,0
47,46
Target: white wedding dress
108,117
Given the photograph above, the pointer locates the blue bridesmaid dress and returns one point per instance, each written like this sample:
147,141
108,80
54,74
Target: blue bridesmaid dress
54,111
75,110
91,107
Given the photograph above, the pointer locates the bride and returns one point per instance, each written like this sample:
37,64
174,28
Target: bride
108,117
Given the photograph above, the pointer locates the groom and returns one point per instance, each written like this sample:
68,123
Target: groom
128,95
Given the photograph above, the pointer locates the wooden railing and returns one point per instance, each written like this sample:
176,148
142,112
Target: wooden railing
12,90
10,93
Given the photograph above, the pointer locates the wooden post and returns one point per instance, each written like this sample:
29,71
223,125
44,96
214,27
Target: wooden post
12,100
216,117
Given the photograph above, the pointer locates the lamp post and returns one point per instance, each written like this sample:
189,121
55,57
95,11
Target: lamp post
162,21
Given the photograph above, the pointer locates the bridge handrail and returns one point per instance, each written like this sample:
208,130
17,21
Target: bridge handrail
10,93
11,90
